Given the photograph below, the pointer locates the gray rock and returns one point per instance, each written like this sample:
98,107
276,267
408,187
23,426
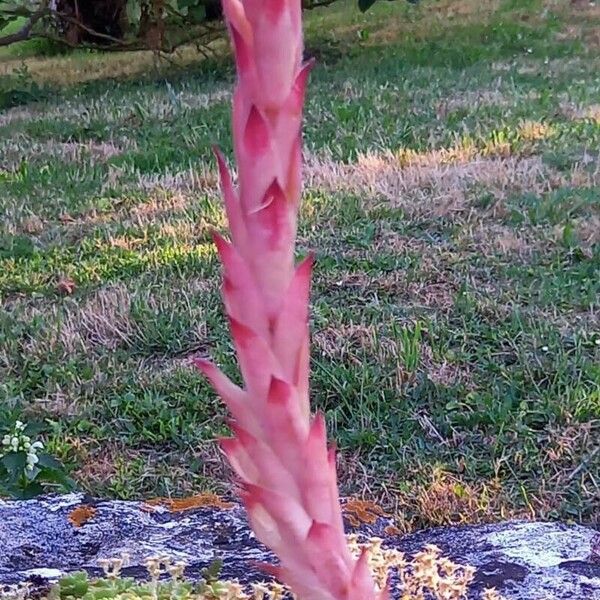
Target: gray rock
42,539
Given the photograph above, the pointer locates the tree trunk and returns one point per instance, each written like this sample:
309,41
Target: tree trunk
88,18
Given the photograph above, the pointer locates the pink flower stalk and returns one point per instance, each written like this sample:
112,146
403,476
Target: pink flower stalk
279,451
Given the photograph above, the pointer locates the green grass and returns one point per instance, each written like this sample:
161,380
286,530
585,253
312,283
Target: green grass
454,209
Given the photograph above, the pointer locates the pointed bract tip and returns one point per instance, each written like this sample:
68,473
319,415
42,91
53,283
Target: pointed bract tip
307,67
203,364
331,456
269,569
272,197
221,162
386,593
361,568
245,439
240,332
223,245
279,391
296,98
243,56
319,532
251,493
318,428
307,263
309,63
224,173
228,445
304,268
257,137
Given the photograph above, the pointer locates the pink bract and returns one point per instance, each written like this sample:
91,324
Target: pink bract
279,451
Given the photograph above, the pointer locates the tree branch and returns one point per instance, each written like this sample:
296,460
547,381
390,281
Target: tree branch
310,4
102,36
25,32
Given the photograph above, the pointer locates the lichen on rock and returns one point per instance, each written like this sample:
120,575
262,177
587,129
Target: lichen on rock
41,542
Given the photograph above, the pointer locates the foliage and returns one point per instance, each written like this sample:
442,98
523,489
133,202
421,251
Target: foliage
427,574
166,583
158,25
19,88
25,469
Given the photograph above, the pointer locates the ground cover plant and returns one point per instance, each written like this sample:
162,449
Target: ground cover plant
452,196
427,575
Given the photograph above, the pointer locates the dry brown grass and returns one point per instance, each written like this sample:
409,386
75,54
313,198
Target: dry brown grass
494,238
478,98
76,151
534,130
441,498
583,24
434,292
444,498
157,105
443,372
202,178
159,207
18,149
57,403
102,321
97,466
110,467
587,231
341,341
436,17
581,113
433,184
77,68
442,183
448,500
185,233
350,343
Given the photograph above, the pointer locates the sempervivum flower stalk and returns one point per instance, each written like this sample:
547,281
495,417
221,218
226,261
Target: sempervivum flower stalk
278,450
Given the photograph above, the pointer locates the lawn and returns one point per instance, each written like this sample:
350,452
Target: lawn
452,200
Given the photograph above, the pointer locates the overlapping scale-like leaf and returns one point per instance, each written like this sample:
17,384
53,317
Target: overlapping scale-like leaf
278,450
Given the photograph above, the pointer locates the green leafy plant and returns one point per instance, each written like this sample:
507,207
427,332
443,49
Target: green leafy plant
166,582
25,469
427,574
159,25
19,88
79,585
410,340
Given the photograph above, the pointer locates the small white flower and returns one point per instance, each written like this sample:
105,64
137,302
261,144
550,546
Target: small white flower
37,445
29,467
19,425
545,348
25,438
597,342
26,445
6,440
